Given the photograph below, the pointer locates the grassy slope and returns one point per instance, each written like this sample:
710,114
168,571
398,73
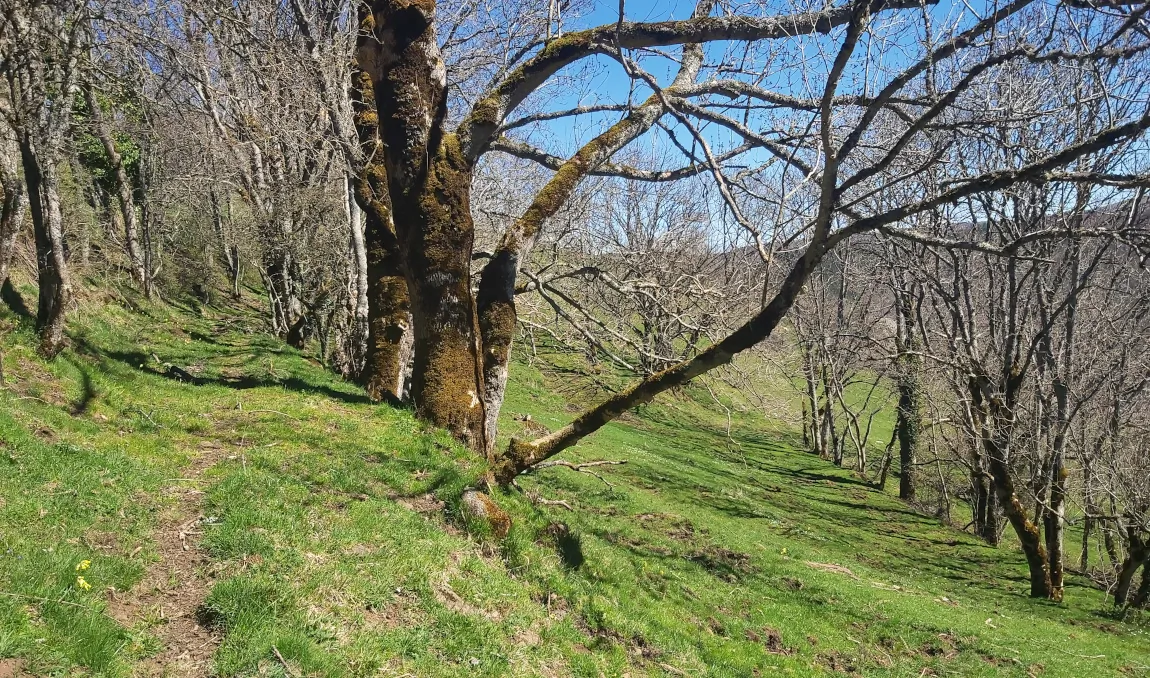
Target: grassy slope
702,556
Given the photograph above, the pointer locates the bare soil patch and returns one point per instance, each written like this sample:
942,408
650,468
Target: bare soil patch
174,588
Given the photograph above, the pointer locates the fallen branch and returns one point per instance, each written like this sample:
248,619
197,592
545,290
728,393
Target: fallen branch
581,468
536,498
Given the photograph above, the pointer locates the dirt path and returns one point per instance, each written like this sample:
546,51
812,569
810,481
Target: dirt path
174,588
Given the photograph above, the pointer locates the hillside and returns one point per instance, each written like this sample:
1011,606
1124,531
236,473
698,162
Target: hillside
180,496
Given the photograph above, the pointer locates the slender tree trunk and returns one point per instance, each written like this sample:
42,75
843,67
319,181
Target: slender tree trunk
52,267
358,331
1015,512
1109,534
1136,557
908,425
1091,509
1055,518
818,443
806,425
497,319
884,466
985,514
1142,596
123,190
231,252
12,210
908,422
496,297
1084,555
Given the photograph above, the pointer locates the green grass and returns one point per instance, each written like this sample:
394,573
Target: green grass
332,540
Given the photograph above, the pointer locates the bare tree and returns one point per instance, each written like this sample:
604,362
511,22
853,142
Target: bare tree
41,44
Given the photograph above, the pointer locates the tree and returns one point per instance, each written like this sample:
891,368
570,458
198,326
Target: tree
833,157
41,44
123,187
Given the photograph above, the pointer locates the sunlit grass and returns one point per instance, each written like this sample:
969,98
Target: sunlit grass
333,543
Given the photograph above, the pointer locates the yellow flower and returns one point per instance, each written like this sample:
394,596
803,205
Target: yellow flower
83,584
784,551
83,565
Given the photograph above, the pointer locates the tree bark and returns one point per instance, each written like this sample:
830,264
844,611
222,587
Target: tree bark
231,252
1054,519
908,422
55,283
12,210
1142,597
390,331
1028,537
818,444
429,184
1136,557
359,306
446,381
123,190
390,336
985,506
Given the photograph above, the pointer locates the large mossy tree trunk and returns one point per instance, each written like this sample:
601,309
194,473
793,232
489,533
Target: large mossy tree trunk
429,184
446,380
54,280
390,336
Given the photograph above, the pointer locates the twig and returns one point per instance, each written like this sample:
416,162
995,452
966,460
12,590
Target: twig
283,661
580,467
536,498
1082,656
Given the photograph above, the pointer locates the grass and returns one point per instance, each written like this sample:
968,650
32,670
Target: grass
330,535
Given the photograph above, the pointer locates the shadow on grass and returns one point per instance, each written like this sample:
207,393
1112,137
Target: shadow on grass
89,390
12,297
138,361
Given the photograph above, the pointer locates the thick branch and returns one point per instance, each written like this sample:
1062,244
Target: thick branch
552,162
479,128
